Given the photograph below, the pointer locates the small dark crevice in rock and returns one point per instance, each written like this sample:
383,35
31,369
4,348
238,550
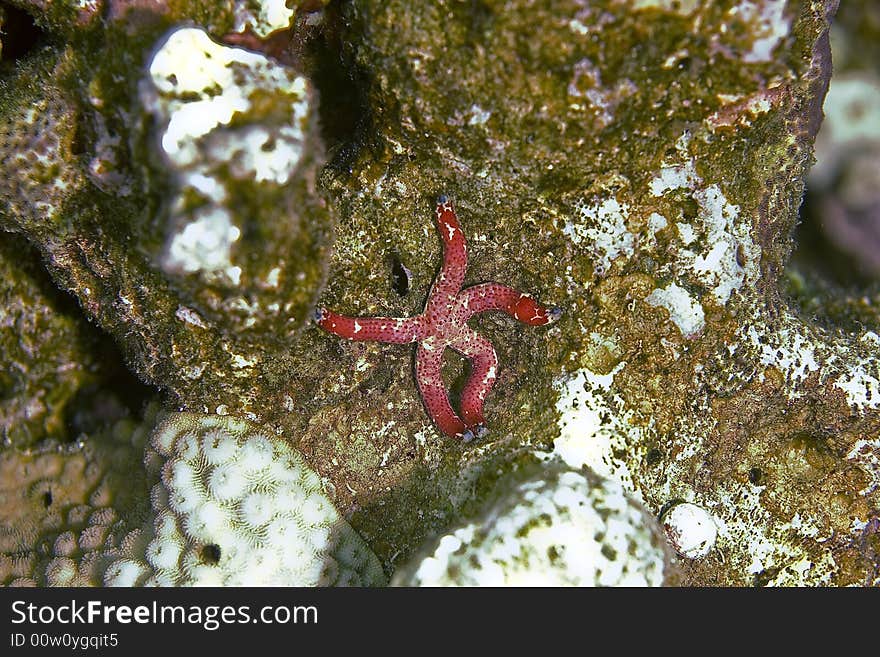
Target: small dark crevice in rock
18,33
118,395
756,476
210,554
401,276
345,116
16,248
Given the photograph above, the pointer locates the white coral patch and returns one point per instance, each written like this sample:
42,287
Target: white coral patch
719,253
263,16
601,228
769,25
671,177
554,526
593,425
690,530
684,311
237,508
799,349
203,96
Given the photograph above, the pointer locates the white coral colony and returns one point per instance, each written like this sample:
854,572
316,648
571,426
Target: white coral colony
233,507
549,525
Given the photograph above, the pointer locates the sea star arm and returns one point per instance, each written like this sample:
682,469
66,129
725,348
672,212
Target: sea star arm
429,360
494,296
397,330
451,276
484,366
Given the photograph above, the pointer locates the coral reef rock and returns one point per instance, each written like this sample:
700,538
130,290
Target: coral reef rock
641,164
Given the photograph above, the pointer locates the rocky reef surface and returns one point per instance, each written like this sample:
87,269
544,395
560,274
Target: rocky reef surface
185,182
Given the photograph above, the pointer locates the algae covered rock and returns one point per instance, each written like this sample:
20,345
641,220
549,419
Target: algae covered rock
639,164
205,269
52,358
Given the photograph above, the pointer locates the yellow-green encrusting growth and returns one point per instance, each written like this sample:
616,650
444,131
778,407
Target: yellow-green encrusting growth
638,163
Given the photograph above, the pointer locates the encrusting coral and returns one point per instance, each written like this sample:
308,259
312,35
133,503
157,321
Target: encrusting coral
547,524
66,510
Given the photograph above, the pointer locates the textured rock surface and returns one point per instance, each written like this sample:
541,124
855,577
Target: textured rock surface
55,365
639,164
96,193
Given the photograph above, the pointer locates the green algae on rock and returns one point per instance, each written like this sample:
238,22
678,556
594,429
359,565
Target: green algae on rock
48,351
87,195
644,163
638,163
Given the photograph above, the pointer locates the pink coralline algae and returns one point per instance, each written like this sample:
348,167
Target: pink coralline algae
444,324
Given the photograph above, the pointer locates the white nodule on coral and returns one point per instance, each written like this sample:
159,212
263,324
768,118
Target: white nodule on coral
205,243
684,311
549,525
690,529
672,177
210,104
124,572
769,26
236,508
263,17
656,222
601,227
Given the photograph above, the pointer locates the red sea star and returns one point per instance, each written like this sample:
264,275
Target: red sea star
444,324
